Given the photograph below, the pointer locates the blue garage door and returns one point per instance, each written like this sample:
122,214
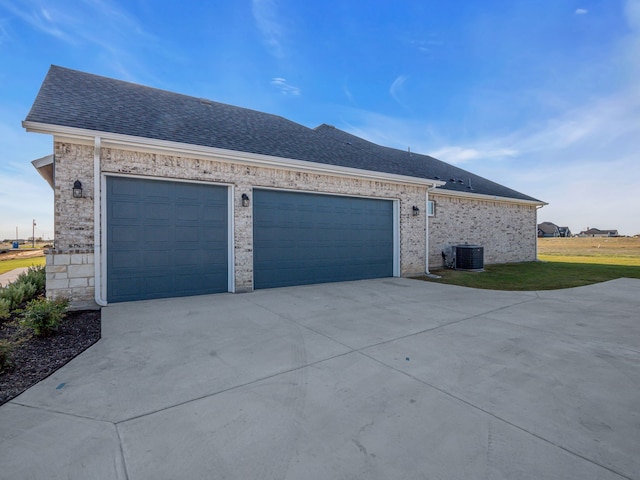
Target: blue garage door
303,238
165,239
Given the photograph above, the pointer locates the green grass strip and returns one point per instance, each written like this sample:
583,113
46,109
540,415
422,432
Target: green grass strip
545,275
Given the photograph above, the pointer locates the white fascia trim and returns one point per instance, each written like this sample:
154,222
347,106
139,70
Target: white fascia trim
198,151
491,198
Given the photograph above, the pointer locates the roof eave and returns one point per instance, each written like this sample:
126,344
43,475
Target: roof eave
44,166
219,153
493,198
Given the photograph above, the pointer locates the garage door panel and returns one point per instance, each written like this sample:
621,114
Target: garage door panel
302,238
162,241
125,209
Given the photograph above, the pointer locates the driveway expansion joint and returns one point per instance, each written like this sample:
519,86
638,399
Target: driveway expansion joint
498,418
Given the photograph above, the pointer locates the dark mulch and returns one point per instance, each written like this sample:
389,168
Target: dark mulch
33,359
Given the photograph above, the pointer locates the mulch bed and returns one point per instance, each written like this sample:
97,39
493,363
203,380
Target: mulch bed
34,359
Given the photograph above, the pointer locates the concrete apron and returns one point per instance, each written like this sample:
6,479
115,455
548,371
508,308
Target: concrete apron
378,379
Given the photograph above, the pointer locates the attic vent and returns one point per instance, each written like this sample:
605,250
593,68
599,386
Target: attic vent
452,179
460,181
348,143
436,178
204,101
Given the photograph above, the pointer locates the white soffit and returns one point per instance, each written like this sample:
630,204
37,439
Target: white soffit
44,166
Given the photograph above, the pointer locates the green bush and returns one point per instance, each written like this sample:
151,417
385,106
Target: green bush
5,354
5,309
27,286
36,276
43,316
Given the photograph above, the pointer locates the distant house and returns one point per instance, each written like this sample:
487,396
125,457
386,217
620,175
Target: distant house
565,232
548,230
596,232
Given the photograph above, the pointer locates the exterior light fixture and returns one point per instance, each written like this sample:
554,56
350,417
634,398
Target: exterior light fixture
77,189
416,211
245,200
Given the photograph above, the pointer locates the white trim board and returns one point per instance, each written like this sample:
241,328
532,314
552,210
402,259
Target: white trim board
128,142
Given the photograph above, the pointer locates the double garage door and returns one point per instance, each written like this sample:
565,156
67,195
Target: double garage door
170,239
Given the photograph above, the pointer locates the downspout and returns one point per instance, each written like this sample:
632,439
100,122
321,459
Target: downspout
426,213
537,208
426,240
97,233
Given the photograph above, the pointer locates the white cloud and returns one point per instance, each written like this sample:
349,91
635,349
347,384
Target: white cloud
285,88
584,163
458,155
348,93
120,36
40,18
396,88
265,13
581,11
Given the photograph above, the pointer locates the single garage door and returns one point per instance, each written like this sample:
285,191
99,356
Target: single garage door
303,238
165,239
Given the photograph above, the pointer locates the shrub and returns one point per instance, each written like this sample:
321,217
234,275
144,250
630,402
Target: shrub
36,276
5,354
43,316
5,309
27,286
15,294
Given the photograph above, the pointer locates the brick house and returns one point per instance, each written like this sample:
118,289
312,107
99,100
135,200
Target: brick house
159,194
596,232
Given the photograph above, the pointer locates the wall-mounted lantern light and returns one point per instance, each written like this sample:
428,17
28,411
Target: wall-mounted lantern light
245,200
416,211
77,189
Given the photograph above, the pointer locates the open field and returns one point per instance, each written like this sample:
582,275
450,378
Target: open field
7,265
20,258
605,251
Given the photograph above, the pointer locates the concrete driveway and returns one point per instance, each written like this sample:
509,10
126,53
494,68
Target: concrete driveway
379,379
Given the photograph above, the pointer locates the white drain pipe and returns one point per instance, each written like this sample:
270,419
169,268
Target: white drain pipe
97,233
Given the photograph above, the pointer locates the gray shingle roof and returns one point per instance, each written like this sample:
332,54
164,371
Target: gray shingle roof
76,99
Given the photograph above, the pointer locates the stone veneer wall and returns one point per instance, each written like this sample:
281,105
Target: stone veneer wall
507,231
74,217
71,275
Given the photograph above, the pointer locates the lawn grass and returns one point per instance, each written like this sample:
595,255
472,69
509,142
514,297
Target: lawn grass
7,265
629,261
536,275
564,263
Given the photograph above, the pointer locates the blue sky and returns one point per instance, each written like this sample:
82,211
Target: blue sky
542,96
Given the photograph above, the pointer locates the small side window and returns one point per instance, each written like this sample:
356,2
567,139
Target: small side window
431,208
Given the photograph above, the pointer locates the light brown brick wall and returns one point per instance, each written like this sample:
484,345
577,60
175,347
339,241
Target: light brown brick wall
506,231
74,217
